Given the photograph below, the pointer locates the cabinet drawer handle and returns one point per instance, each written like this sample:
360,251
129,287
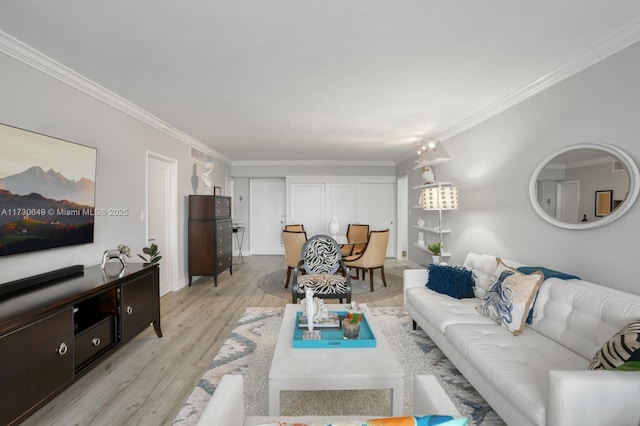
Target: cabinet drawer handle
129,310
62,349
95,341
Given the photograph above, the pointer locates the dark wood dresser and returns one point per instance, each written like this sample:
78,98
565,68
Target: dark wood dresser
53,333
210,236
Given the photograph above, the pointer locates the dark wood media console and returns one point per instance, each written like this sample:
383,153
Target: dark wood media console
52,334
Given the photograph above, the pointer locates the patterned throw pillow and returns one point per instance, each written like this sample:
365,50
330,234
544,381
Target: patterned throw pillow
508,301
518,293
492,305
501,267
623,347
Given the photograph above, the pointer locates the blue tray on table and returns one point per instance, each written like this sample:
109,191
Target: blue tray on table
332,338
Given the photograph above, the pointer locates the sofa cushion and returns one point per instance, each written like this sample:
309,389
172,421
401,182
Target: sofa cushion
548,273
582,315
441,310
482,268
518,292
504,360
624,346
450,280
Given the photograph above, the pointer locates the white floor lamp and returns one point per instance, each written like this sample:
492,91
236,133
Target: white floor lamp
440,198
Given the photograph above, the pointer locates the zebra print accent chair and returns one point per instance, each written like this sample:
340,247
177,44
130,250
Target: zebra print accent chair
325,271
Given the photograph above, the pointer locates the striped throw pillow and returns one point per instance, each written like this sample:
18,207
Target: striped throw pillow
623,347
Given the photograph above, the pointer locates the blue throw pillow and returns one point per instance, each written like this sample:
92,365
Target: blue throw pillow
450,280
548,273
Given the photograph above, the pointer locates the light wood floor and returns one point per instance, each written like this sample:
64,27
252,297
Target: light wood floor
147,381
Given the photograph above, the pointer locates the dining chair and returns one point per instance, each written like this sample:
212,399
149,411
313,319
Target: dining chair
356,233
372,257
294,227
323,271
293,242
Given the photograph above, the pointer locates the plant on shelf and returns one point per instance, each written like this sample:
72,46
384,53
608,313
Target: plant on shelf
153,254
434,249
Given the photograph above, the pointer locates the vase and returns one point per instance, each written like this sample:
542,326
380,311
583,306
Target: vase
333,227
350,330
435,259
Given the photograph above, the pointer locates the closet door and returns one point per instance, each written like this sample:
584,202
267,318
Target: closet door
266,215
342,202
379,210
307,207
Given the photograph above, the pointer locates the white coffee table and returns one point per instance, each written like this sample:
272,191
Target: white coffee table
333,368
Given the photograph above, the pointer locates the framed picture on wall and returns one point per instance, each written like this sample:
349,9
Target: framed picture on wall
217,190
604,202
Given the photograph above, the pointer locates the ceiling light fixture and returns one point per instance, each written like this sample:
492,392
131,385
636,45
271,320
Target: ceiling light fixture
431,152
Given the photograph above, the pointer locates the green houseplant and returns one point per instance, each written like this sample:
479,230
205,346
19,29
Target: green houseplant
434,249
152,254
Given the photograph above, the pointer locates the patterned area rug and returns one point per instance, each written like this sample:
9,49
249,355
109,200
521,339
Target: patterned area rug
249,351
273,283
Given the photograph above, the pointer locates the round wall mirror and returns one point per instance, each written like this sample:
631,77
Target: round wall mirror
584,186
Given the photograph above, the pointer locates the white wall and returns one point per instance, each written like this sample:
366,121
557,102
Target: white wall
493,162
35,101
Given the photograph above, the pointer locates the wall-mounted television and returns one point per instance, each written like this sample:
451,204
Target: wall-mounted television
47,192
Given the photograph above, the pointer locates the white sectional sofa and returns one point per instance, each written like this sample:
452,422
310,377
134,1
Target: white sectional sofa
541,376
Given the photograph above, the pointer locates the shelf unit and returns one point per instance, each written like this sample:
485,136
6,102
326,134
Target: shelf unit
430,229
433,229
432,185
435,162
424,248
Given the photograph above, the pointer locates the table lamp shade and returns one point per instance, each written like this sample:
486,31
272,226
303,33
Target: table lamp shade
440,198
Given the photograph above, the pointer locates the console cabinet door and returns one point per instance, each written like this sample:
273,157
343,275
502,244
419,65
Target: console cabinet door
138,301
36,361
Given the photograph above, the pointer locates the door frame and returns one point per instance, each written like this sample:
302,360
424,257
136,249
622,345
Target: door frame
402,215
170,253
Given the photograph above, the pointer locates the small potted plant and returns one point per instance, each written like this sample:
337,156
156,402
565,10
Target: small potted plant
153,254
434,249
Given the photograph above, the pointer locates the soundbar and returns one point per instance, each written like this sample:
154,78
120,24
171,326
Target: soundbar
40,279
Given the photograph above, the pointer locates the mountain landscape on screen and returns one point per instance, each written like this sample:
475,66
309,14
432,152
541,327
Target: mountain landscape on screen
41,210
50,184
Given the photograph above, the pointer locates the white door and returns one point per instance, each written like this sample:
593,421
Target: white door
266,215
160,217
379,210
568,200
342,202
307,207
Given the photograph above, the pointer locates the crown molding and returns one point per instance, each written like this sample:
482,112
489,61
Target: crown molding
599,51
312,163
24,53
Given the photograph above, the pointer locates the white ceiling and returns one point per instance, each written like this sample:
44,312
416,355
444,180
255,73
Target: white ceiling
318,80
